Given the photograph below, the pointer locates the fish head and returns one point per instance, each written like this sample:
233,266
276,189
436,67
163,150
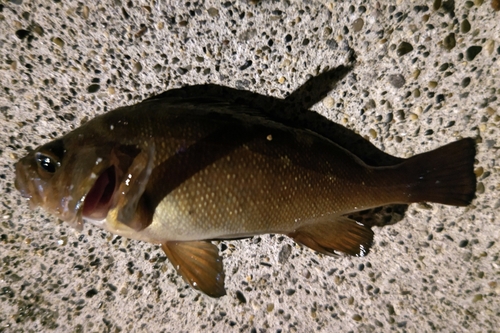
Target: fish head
69,178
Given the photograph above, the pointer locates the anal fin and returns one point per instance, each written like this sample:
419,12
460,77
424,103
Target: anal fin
199,263
340,235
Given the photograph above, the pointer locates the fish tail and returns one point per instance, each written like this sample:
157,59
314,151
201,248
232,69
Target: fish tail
445,175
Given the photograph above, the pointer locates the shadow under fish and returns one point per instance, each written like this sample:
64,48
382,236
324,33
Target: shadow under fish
206,162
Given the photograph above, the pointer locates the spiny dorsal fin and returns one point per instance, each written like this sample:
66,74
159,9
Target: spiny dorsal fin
330,237
199,263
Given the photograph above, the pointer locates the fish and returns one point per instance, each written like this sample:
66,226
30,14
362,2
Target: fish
185,172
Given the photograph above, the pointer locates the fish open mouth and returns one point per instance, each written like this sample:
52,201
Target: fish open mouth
99,199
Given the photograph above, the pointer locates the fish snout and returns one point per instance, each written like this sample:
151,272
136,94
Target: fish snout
25,183
21,182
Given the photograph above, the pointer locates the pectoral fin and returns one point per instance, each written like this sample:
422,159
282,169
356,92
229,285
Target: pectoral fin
199,263
131,189
330,237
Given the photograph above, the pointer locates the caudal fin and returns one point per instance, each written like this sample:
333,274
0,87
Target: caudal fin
445,175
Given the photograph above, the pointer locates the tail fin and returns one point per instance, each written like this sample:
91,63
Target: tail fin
445,175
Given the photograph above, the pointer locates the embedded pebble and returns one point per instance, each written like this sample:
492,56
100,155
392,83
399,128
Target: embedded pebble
329,102
22,33
480,188
444,67
332,44
479,171
37,29
357,25
477,298
85,12
472,52
284,253
246,65
241,298
93,88
213,12
91,293
465,26
327,31
449,41
16,24
432,84
490,46
157,68
465,82
416,74
404,48
137,67
397,80
58,41
400,115
371,104
248,34
490,111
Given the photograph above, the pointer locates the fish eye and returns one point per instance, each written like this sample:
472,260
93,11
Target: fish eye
46,162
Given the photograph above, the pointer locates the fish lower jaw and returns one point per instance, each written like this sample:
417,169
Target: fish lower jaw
119,229
98,223
105,225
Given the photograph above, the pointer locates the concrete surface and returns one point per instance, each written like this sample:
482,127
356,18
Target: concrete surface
436,270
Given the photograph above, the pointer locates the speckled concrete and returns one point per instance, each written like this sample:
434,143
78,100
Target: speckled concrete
417,83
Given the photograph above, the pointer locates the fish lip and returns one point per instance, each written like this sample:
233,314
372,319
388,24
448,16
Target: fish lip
20,182
25,183
100,197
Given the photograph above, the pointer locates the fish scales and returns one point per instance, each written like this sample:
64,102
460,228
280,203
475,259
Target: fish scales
183,172
249,192
270,180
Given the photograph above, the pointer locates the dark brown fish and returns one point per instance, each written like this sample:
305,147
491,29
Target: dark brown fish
181,172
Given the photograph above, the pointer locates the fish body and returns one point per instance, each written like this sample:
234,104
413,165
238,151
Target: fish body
180,173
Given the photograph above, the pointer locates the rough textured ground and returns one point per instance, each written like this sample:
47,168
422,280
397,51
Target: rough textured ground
424,74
